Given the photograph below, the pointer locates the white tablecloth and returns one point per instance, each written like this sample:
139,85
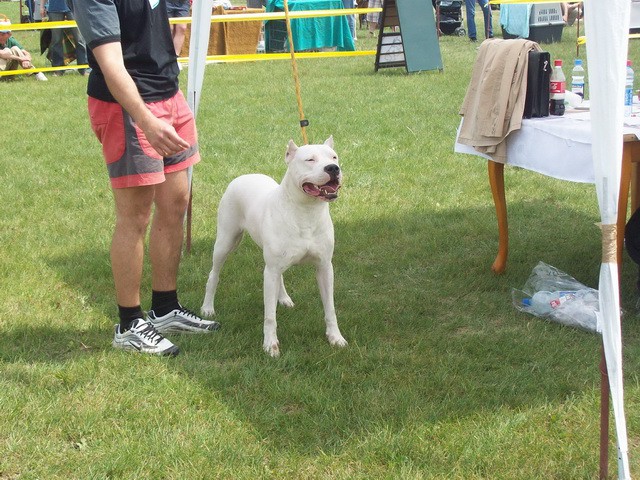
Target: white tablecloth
559,147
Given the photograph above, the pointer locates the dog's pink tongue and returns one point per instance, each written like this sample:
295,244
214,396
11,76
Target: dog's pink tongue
311,189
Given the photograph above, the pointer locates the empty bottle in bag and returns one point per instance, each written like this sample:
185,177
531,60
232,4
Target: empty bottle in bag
543,302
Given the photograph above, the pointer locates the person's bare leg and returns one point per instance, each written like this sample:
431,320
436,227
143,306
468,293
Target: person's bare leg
165,243
133,210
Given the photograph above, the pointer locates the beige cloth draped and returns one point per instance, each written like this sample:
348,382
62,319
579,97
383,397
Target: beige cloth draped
494,102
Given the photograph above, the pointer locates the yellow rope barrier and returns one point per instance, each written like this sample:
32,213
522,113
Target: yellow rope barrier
240,17
582,40
8,73
19,27
253,57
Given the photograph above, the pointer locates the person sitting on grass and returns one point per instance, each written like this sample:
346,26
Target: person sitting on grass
12,55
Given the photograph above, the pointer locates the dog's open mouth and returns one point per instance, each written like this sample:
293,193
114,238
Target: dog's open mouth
327,192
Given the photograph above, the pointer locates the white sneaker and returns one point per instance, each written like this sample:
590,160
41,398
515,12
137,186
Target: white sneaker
40,76
181,320
143,337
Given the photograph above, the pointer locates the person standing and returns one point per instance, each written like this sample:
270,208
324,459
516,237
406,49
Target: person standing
471,21
58,10
30,7
149,140
351,19
373,19
178,8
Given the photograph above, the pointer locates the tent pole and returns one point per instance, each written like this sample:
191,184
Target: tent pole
604,418
189,218
577,36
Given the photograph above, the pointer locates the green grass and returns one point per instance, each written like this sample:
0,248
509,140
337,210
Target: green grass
443,378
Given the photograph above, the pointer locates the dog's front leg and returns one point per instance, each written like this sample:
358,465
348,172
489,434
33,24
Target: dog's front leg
207,307
324,275
271,288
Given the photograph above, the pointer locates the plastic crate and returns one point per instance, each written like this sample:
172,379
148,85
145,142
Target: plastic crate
546,23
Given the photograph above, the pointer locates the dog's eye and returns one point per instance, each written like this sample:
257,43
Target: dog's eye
335,157
310,159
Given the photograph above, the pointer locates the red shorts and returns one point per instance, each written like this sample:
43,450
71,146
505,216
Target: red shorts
131,160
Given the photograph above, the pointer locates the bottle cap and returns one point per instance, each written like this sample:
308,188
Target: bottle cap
557,63
578,61
628,63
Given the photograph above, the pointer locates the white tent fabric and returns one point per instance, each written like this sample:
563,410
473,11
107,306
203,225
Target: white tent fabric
198,46
607,29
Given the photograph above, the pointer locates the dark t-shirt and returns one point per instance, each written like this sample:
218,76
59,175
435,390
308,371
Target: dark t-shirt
142,27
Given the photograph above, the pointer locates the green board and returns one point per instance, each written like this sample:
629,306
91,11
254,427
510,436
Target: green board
417,35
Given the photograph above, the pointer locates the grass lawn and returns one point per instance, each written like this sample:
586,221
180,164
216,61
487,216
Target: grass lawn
442,379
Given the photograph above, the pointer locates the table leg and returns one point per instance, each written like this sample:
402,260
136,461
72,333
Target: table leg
496,180
635,201
623,198
631,154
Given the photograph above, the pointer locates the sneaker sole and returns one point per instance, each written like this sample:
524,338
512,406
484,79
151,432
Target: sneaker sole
169,352
184,328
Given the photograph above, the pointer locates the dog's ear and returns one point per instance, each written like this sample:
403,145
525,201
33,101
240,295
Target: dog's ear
291,151
329,142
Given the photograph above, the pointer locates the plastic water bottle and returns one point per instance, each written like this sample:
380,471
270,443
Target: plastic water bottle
577,78
628,91
543,303
557,84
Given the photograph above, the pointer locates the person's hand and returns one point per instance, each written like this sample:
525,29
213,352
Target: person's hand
163,137
26,64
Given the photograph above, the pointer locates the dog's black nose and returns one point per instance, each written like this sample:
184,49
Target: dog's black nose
332,169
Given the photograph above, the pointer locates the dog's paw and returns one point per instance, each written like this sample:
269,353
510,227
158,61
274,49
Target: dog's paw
207,310
337,340
286,301
272,348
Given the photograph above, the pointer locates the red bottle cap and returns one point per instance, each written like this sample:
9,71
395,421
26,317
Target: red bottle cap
557,63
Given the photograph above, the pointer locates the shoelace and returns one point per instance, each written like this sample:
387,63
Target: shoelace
189,313
150,332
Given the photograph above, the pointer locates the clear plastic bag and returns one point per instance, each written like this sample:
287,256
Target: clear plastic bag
552,294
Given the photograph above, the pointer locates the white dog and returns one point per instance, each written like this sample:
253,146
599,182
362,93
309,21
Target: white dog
292,225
